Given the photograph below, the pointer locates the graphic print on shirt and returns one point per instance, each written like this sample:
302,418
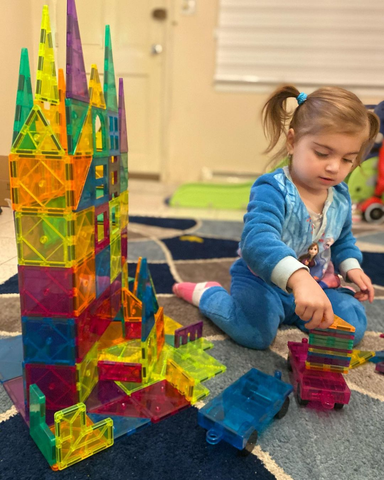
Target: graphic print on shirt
309,258
322,259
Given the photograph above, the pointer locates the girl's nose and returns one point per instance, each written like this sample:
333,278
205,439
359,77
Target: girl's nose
332,166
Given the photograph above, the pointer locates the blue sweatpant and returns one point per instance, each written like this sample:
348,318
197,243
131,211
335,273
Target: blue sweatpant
254,310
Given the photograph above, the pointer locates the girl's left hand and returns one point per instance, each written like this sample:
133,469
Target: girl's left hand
362,280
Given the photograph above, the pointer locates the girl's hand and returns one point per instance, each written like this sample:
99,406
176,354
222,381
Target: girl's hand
362,280
312,304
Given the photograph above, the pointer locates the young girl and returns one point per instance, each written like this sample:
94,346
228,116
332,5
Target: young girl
290,209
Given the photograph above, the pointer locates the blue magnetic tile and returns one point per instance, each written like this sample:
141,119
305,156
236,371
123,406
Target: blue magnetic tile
379,357
122,425
103,270
148,313
11,357
88,195
246,406
49,340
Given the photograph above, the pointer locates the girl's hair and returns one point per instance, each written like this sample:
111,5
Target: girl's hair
326,110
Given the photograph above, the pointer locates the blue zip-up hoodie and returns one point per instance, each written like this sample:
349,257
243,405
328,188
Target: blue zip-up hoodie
278,230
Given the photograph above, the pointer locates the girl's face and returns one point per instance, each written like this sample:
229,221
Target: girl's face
313,251
323,160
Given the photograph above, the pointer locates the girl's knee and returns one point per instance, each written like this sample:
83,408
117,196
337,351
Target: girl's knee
358,319
349,309
256,341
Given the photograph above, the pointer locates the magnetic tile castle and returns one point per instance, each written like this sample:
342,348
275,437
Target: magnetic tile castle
100,360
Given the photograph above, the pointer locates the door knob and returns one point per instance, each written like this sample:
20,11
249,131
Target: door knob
159,13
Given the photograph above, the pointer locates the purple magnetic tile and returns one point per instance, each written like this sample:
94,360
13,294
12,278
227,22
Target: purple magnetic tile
104,392
187,334
122,119
46,291
77,87
318,359
15,390
160,400
380,367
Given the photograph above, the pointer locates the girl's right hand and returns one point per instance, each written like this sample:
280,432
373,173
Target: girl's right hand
312,304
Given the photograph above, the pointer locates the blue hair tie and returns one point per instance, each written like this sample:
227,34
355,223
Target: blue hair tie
301,98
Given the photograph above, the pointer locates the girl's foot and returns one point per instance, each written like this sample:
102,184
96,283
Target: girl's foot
192,292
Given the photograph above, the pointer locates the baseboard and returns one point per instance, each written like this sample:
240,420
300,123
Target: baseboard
144,176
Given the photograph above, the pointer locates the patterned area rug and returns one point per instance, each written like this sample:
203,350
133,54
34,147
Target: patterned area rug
306,444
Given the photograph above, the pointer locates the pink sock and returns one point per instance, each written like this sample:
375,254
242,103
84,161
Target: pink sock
192,292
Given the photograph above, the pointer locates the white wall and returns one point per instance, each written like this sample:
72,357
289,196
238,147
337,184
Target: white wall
219,130
15,34
207,128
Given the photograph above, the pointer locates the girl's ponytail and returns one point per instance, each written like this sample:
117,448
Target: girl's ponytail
275,117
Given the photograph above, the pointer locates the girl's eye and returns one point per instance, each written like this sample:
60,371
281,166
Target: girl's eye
348,160
320,154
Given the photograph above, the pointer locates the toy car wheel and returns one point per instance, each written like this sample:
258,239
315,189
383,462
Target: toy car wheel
300,401
338,406
374,213
289,366
252,440
283,410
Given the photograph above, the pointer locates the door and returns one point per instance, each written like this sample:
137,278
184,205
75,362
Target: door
138,35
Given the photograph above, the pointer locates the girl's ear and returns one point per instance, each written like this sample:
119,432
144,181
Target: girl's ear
290,140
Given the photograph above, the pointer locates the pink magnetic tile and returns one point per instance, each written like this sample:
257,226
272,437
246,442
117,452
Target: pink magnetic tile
328,388
119,371
132,330
124,245
160,400
57,383
187,334
124,407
